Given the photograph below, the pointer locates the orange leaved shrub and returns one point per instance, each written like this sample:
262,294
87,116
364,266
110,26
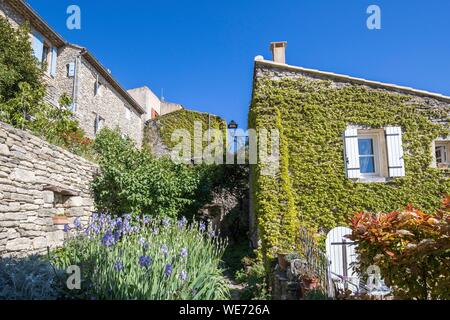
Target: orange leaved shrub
411,248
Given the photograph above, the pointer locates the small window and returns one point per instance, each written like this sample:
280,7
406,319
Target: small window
366,156
99,124
372,161
98,87
373,155
46,56
441,153
70,69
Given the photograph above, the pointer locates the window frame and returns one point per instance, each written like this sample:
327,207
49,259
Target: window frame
376,152
445,144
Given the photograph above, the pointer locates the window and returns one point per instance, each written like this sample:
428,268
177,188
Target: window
45,56
99,124
366,155
372,155
442,154
71,69
98,88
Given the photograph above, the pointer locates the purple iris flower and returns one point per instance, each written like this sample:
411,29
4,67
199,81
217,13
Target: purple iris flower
145,261
182,222
108,239
155,231
77,223
147,219
118,265
184,252
119,223
117,235
66,228
202,227
168,270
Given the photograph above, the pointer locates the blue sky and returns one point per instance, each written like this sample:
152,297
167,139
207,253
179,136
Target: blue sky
201,52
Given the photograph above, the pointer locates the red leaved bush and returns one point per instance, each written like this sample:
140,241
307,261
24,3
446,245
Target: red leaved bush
411,248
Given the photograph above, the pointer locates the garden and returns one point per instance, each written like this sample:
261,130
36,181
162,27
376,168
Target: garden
147,241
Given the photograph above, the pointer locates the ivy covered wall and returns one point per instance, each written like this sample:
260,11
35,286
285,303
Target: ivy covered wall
312,114
158,132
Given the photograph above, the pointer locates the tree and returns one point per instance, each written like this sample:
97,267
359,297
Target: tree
21,88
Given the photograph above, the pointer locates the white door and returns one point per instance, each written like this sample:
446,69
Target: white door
342,256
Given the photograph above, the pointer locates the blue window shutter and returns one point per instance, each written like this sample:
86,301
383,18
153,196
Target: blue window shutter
54,60
38,45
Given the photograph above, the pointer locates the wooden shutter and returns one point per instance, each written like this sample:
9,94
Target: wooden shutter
38,45
54,61
71,69
351,153
395,151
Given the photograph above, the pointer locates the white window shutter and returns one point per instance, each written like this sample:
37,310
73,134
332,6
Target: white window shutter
352,166
395,151
54,61
71,69
38,45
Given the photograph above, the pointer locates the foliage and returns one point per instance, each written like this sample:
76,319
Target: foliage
22,93
234,255
185,120
253,275
20,75
31,278
133,181
316,294
411,248
143,258
311,187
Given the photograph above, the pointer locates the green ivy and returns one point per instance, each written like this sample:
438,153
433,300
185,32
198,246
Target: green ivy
185,119
311,187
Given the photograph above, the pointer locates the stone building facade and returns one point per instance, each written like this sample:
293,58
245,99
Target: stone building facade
98,99
153,106
351,145
39,183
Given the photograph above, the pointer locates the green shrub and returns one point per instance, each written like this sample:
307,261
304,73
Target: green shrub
134,258
31,278
253,276
131,180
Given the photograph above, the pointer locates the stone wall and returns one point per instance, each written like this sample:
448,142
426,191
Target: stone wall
39,181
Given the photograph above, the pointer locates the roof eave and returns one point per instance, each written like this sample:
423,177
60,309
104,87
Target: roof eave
37,22
347,78
105,73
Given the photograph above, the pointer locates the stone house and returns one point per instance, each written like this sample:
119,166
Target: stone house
346,145
153,105
98,99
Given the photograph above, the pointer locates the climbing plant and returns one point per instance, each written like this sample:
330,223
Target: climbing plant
185,120
311,187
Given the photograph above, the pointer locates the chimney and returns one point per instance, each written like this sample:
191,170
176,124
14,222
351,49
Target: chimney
278,51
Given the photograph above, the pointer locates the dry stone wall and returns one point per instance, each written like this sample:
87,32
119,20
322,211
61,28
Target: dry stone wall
42,187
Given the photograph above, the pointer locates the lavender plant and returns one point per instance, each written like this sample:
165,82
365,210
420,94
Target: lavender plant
141,258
